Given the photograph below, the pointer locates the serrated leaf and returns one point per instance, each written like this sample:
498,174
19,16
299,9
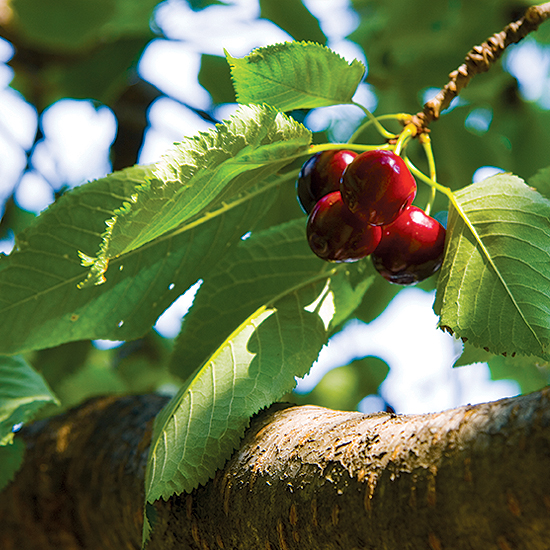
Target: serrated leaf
197,431
22,393
494,285
11,458
295,75
40,305
202,177
262,268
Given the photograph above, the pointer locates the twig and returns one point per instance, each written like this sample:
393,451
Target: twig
479,60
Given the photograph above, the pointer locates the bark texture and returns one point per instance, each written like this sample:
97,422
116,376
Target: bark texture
475,477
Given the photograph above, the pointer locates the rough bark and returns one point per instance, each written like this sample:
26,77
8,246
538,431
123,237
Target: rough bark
303,477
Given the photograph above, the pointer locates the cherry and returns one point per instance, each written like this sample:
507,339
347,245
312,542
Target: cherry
337,235
378,186
320,175
411,248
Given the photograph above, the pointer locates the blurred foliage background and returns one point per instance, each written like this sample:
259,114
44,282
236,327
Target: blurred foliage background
94,51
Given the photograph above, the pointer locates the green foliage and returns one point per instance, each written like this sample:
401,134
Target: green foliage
494,284
204,177
295,75
22,393
255,366
266,305
38,280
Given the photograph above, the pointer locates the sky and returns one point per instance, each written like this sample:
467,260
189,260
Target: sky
78,136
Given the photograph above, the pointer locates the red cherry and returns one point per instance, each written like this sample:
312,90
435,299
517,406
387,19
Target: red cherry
378,185
337,235
411,248
320,175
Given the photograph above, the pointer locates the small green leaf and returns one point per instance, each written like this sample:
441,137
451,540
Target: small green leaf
11,458
202,177
197,431
494,285
22,393
295,75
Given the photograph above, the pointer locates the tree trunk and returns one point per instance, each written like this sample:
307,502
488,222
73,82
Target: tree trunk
475,477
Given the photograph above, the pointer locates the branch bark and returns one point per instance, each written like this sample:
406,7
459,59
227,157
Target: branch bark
475,477
479,60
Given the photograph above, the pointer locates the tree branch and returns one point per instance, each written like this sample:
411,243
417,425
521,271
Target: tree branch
475,477
479,60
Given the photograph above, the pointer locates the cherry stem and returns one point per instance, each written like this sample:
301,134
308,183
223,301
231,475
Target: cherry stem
427,146
374,120
400,117
408,132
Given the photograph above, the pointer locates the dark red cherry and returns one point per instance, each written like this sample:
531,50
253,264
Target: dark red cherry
411,248
337,235
378,185
320,175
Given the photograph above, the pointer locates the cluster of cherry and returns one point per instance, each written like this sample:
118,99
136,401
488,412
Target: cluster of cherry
361,204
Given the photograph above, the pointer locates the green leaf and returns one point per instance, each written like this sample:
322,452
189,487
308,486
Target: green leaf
494,285
40,305
197,431
22,393
295,75
202,177
348,286
262,268
11,458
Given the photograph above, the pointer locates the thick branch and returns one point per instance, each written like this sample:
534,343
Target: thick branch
479,60
304,477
